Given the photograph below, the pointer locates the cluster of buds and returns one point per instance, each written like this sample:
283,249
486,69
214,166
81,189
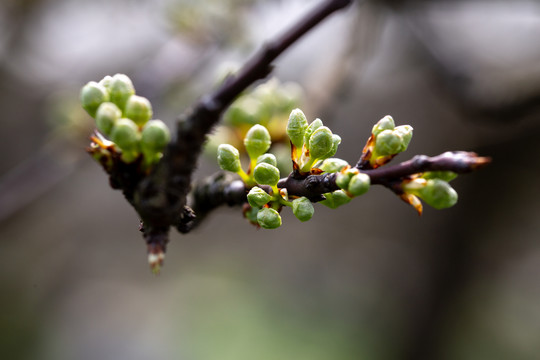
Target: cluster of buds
310,144
386,141
123,121
265,199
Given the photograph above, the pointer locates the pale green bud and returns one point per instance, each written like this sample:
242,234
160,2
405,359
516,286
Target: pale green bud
138,109
386,123
267,158
106,82
106,116
257,197
343,179
406,133
438,194
302,209
388,143
257,141
335,199
229,158
336,140
317,123
92,95
296,127
266,174
320,143
443,175
332,165
268,218
120,89
155,136
125,134
359,184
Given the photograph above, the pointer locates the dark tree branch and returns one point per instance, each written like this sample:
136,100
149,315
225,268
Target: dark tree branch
160,198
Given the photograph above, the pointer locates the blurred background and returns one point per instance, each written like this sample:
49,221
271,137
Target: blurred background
371,280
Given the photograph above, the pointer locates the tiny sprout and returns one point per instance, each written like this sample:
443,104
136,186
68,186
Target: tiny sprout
406,133
335,199
120,89
257,141
332,165
317,123
296,127
266,174
155,136
302,209
268,218
138,109
257,197
320,143
229,158
106,82
359,184
386,123
267,158
438,194
343,178
92,95
125,134
106,116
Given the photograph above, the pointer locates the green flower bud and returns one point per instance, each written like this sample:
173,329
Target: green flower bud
229,158
438,194
343,179
359,184
267,158
138,109
388,143
320,143
92,95
296,127
155,136
332,165
268,218
106,82
125,134
266,174
336,140
302,209
257,197
107,115
406,133
335,199
443,175
257,141
317,123
120,89
386,123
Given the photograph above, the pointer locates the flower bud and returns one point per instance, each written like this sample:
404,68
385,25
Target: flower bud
296,127
268,218
317,123
120,89
107,115
267,158
438,194
106,82
229,158
320,143
155,136
125,134
92,95
302,209
443,175
332,165
335,199
336,140
266,174
138,109
386,123
359,184
406,133
388,143
343,178
257,141
257,197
